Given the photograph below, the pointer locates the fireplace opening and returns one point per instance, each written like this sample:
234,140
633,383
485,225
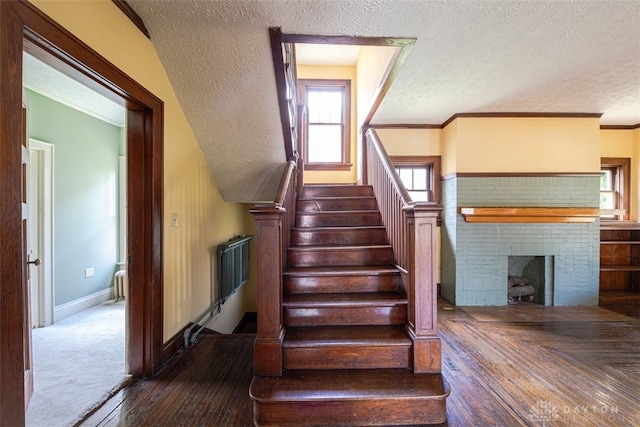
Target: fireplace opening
526,279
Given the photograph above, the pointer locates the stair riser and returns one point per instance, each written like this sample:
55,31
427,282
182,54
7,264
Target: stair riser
314,191
336,205
336,316
340,257
392,411
333,284
357,236
347,357
338,219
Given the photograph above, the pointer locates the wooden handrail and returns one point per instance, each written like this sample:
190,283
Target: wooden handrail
389,168
284,67
283,187
411,230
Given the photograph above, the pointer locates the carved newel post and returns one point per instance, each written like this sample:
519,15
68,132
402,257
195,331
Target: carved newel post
270,334
422,286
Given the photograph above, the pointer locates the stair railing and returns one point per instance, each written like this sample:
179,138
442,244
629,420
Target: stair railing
273,229
411,230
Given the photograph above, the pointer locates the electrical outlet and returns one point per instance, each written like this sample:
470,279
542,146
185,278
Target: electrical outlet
89,272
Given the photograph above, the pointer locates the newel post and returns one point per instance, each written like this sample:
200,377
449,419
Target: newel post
270,334
422,289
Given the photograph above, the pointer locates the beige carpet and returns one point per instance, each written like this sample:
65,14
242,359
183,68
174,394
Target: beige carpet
77,363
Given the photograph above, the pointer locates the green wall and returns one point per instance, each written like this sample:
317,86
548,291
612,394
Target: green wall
85,195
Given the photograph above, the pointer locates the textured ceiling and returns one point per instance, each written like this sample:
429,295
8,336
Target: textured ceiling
47,81
470,56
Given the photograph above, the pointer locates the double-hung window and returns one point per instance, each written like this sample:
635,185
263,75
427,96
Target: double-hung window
420,176
327,123
614,188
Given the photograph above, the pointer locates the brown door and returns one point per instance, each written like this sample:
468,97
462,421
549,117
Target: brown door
26,327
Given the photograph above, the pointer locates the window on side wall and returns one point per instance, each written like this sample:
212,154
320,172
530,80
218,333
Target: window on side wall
328,123
614,188
420,176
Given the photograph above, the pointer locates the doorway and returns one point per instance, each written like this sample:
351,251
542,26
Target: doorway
41,231
25,28
79,353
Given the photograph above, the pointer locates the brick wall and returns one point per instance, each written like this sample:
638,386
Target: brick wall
475,255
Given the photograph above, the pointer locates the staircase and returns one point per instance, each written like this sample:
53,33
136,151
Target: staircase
347,358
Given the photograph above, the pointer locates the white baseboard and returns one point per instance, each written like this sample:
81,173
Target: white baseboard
76,306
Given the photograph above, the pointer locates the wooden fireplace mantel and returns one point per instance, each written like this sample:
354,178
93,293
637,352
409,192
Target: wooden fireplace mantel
529,215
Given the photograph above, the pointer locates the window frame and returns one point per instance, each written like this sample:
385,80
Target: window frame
433,165
621,185
327,84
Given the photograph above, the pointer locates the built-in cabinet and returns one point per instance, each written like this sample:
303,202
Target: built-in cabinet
619,258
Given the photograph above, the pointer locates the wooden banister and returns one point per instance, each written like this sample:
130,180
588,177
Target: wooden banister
284,67
411,229
273,227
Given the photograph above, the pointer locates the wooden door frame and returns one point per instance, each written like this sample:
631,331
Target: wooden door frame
23,27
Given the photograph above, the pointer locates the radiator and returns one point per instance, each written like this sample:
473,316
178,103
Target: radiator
233,265
119,284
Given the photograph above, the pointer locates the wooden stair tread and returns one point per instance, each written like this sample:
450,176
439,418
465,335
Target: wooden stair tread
338,228
352,336
337,212
344,299
356,384
309,248
320,198
364,270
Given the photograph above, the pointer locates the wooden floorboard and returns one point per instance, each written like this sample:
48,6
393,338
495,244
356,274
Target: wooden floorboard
519,365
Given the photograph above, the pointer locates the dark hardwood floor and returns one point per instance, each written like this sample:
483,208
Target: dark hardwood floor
519,365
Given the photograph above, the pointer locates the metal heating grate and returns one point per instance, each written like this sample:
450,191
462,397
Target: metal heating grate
233,265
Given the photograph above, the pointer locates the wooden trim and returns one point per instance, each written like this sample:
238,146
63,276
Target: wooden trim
132,15
620,127
26,27
619,225
405,126
502,115
529,214
328,166
12,259
518,175
522,115
174,346
348,40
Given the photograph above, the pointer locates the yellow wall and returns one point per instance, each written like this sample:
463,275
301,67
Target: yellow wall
204,219
528,145
449,148
341,73
371,67
616,143
411,142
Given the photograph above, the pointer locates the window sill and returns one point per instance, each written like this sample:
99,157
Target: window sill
328,166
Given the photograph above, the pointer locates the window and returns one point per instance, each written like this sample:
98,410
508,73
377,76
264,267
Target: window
420,176
327,124
416,181
614,188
